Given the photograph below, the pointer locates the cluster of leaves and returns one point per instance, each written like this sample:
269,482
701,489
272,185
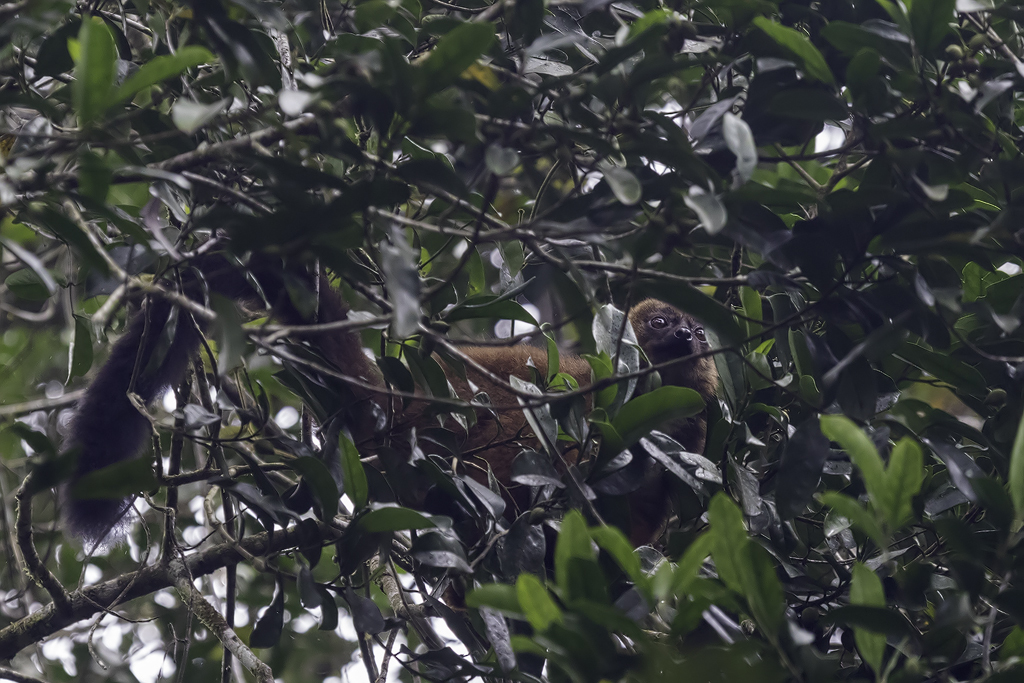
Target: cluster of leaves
829,186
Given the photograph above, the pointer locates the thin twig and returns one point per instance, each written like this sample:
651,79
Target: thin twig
15,409
36,569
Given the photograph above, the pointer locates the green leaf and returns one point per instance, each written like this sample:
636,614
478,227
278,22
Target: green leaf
745,567
117,481
573,543
161,68
385,519
435,549
34,265
689,564
649,411
729,537
94,176
956,373
808,104
500,596
862,452
352,470
26,284
489,306
601,365
540,610
320,481
752,308
866,589
764,590
614,542
930,22
1016,475
709,209
372,14
740,141
903,479
500,160
554,362
797,44
878,619
625,186
190,116
53,57
94,70
230,336
309,596
858,516
328,609
270,625
80,350
453,54
70,233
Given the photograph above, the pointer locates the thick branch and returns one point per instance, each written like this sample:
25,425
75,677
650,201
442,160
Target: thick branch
104,596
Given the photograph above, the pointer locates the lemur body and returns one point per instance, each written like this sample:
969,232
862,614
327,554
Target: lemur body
108,429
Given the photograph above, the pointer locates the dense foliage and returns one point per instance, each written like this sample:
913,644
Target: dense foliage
829,186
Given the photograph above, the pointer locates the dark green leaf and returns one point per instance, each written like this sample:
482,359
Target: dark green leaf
393,519
116,481
903,479
352,470
931,21
366,615
160,69
573,543
866,590
437,549
861,518
652,410
27,285
862,452
328,609
270,625
454,53
94,69
318,478
796,43
308,593
499,596
540,610
80,350
800,468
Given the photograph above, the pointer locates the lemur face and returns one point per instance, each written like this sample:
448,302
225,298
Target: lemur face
665,332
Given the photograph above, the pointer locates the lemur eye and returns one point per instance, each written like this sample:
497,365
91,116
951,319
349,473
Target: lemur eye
658,323
699,333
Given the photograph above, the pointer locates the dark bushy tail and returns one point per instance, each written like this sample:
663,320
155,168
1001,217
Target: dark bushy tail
106,428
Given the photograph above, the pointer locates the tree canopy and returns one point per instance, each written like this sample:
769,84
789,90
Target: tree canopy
831,187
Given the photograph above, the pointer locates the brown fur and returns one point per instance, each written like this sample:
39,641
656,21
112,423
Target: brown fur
498,437
501,434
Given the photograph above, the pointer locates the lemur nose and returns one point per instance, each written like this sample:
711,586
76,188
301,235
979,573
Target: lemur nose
684,334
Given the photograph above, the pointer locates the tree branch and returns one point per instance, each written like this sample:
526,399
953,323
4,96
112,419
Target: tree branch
15,409
36,568
90,601
213,620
